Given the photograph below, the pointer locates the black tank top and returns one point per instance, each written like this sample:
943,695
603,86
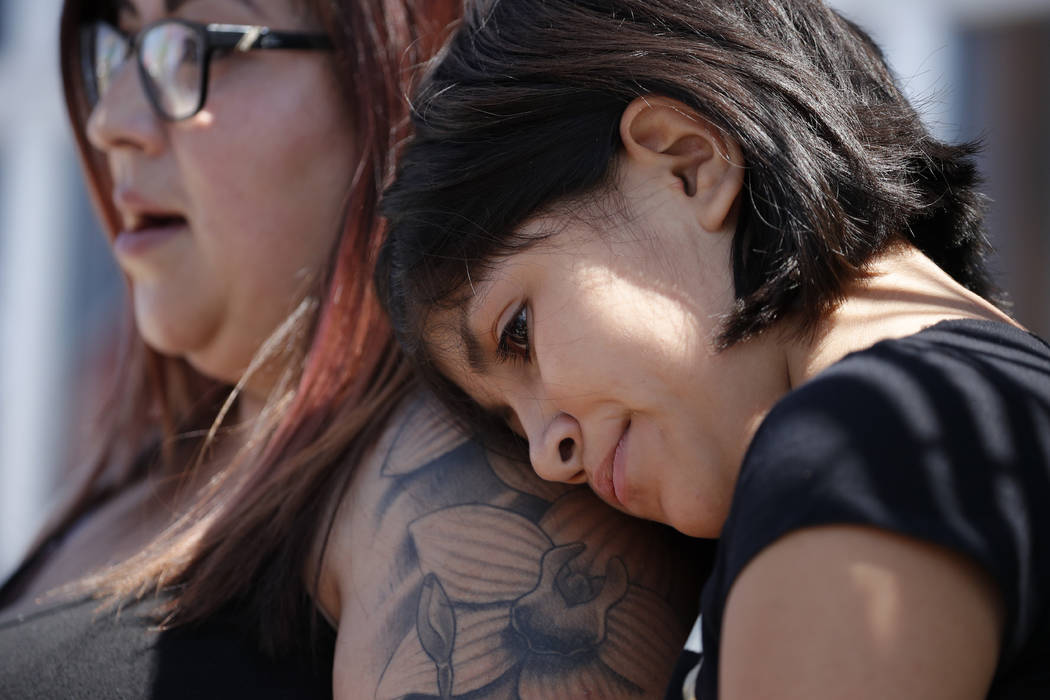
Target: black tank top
74,652
943,436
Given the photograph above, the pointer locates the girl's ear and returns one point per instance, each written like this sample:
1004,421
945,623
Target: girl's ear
662,133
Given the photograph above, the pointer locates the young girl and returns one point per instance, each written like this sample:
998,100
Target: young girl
268,483
704,257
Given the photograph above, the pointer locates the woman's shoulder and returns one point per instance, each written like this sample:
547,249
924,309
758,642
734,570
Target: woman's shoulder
939,420
940,437
447,555
963,386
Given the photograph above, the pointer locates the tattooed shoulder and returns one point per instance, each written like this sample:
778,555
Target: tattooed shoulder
461,574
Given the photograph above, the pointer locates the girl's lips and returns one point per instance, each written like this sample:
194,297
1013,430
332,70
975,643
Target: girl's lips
619,468
134,244
609,480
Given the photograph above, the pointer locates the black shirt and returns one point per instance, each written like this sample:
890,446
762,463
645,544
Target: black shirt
942,436
74,652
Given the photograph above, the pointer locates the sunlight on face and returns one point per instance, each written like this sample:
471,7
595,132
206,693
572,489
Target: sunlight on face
598,349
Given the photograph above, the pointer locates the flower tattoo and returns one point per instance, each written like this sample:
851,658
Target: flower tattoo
552,617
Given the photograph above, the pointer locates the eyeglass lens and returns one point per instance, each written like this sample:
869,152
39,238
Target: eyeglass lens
171,56
109,50
170,59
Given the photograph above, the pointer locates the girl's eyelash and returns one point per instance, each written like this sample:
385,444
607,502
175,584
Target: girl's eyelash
514,341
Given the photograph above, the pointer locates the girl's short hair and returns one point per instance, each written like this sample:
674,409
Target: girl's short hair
522,112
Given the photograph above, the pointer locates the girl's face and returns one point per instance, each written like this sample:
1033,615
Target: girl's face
596,345
228,216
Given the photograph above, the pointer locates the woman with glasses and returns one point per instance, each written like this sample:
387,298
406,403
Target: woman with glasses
273,510
705,257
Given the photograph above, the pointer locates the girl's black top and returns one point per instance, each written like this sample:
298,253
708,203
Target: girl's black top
943,436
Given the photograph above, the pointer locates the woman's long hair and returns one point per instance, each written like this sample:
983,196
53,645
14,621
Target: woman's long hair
248,537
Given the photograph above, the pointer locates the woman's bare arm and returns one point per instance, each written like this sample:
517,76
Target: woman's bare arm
455,571
843,611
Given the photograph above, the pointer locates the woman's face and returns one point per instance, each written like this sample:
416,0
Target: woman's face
596,345
228,216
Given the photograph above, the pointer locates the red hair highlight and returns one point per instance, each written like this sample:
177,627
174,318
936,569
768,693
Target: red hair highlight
249,535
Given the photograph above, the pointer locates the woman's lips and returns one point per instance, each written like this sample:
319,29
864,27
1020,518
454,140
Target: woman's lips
139,242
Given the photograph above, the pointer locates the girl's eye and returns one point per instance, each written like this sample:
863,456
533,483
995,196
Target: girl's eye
514,340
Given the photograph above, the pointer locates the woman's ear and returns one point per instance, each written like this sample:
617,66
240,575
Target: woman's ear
659,132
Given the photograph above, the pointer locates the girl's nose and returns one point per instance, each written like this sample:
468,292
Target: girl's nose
555,449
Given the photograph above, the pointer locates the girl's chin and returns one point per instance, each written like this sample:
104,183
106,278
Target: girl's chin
694,520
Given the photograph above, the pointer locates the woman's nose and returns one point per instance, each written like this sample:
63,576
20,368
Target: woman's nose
123,116
555,449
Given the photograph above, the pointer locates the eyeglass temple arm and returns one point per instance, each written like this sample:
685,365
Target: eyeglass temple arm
246,37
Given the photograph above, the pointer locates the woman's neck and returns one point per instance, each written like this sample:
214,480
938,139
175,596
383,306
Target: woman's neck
904,293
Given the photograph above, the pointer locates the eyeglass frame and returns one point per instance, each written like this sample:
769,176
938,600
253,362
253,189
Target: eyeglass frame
212,37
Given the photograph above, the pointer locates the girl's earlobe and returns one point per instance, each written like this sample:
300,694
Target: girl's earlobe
662,133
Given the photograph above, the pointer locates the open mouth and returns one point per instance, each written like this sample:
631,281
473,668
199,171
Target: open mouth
146,231
152,222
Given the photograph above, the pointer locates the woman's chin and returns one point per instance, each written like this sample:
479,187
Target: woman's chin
190,340
166,336
203,361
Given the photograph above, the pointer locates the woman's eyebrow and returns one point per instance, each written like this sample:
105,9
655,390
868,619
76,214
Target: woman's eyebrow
173,5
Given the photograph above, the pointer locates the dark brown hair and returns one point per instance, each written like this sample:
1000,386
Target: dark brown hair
250,534
522,112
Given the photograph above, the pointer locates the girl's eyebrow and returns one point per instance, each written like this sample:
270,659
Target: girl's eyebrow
475,356
478,363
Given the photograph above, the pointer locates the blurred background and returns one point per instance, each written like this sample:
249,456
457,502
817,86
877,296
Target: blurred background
977,69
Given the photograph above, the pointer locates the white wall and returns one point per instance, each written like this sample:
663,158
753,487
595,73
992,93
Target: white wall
918,35
34,217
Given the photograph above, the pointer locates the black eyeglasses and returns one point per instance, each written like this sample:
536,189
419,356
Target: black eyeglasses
173,57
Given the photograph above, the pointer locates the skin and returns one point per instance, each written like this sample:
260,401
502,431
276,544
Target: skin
260,176
216,287
597,344
258,229
419,482
885,617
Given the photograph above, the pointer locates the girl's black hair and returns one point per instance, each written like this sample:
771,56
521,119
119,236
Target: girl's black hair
522,111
